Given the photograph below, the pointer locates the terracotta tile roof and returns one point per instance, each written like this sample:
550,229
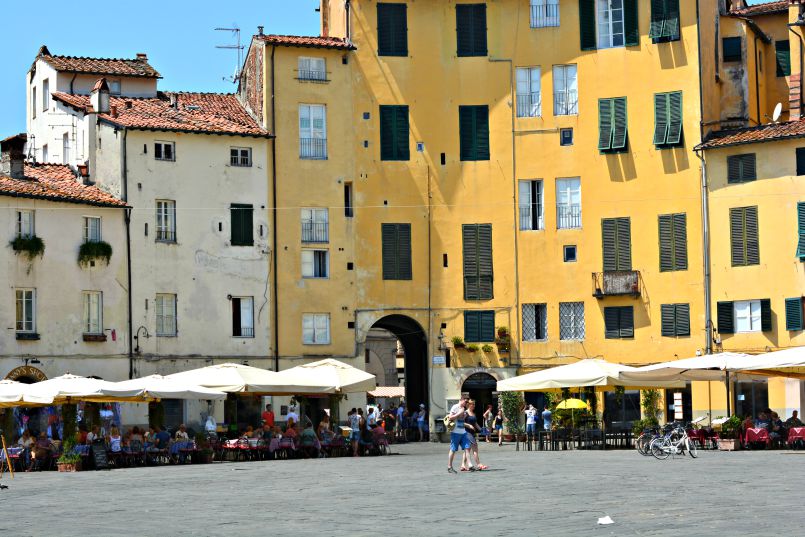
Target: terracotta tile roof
203,113
55,182
766,8
752,135
138,66
307,41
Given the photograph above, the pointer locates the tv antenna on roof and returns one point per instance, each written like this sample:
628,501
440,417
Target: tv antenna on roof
236,34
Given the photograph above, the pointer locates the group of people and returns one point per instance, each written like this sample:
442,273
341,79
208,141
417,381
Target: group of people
770,420
464,430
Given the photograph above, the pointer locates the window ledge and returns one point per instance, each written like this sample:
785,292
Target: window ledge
314,80
27,336
165,241
167,335
95,338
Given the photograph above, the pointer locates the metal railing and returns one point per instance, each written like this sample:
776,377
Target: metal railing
527,222
545,15
566,103
315,231
316,76
246,331
166,235
313,148
240,161
616,283
528,105
568,216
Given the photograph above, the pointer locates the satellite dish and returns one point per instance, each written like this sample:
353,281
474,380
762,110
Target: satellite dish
778,109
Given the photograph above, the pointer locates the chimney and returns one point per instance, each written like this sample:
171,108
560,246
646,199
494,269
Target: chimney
83,172
99,97
260,31
141,56
113,111
325,18
12,156
797,27
174,100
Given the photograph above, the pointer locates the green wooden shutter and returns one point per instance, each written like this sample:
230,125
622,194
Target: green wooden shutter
674,118
587,24
793,314
737,237
782,51
611,323
668,320
404,271
481,133
626,321
401,130
609,230
765,315
392,29
801,226
390,249
666,232
487,326
605,126
242,225
385,37
463,30
624,244
671,29
725,318
660,117
472,326
752,244
734,169
680,241
471,276
658,19
630,23
485,263
682,320
479,30
387,131
619,120
741,168
466,128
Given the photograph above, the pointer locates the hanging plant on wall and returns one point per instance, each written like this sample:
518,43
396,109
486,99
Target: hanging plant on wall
94,251
31,246
503,340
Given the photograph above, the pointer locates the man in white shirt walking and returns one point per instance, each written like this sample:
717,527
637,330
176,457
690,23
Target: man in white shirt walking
458,436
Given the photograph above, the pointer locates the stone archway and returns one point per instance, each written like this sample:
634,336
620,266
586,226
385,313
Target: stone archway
415,344
481,386
27,374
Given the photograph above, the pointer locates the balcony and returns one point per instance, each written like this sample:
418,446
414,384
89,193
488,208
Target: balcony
528,222
315,232
545,15
312,76
528,105
566,103
568,216
313,148
616,283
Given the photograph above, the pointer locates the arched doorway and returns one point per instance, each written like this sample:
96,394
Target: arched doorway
35,419
415,345
481,387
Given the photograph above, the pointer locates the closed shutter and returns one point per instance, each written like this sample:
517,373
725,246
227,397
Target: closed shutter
801,230
737,237
471,276
472,326
741,168
611,323
479,30
471,30
587,24
668,320
752,244
630,23
394,144
801,161
626,322
609,243
666,243
392,30
660,116
604,124
765,315
793,314
680,241
404,252
401,146
481,133
396,251
725,318
474,132
619,120
624,244
487,326
485,272
387,119
682,319
782,52
242,225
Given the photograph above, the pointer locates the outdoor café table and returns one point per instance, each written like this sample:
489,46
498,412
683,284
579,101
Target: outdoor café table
796,433
756,435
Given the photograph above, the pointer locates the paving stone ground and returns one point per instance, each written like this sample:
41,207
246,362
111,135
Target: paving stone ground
410,493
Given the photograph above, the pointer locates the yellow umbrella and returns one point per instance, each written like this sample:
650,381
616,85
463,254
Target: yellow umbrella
572,404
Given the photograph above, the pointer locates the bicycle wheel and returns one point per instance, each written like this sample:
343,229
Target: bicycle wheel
641,444
658,449
691,446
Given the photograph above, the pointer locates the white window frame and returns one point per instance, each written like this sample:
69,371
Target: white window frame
246,316
165,221
26,298
92,229
605,10
529,91
747,316
240,157
309,264
565,90
544,13
159,151
34,104
93,312
313,217
571,321
65,148
312,137
564,202
45,155
316,328
165,309
526,205
312,68
537,307
114,86
45,95
25,224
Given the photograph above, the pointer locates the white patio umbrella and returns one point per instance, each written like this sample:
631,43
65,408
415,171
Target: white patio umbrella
329,376
787,362
12,393
707,367
233,378
159,387
70,388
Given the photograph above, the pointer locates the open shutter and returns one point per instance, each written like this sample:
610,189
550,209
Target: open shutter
236,325
587,24
682,319
611,323
608,243
793,313
737,237
680,241
471,278
630,23
487,326
801,226
390,249
660,116
624,244
752,245
666,243
765,315
472,326
485,273
605,124
657,27
725,318
387,132
668,320
674,118
619,123
626,322
782,51
671,29
404,252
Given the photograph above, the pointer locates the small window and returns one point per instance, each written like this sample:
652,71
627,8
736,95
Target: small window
26,310
544,13
33,103
392,29
45,95
793,314
782,52
93,312
166,221
747,316
570,253
529,100
25,224
65,153
668,119
349,210
164,151
240,156
744,240
312,69
114,87
242,316
316,328
396,251
535,322
471,29
664,25
619,322
166,315
315,225
473,125
675,320
565,90
315,263
568,203
92,229
394,133
45,153
566,136
571,321
612,125
530,205
732,49
242,224
741,168
312,132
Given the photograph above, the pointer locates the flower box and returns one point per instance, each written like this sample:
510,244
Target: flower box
728,444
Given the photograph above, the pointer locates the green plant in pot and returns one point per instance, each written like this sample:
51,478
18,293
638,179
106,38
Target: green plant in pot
31,247
503,340
512,404
69,461
472,347
458,342
487,348
728,437
94,251
204,448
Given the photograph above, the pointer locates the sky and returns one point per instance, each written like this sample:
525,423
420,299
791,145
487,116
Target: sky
179,38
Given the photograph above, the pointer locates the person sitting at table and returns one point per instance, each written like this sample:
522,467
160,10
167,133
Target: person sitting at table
137,435
94,434
26,442
324,432
114,440
748,423
148,436
763,421
41,451
277,433
161,438
308,442
291,432
181,435
249,432
776,428
794,420
81,435
266,432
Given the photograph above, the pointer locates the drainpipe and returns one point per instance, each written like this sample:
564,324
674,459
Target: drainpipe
127,217
708,320
757,84
274,214
348,29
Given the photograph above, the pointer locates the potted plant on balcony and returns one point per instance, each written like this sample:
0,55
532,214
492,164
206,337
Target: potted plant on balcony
728,438
487,348
458,342
92,251
30,247
472,347
70,461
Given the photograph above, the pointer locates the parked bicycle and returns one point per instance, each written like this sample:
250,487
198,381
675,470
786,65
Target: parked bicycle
644,440
674,442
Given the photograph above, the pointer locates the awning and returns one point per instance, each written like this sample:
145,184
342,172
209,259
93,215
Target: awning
159,387
331,376
388,391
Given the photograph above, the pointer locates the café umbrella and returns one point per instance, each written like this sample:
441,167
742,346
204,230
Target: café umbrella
235,378
13,392
159,387
69,388
330,376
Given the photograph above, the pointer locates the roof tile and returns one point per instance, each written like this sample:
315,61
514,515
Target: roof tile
138,66
766,8
307,41
750,135
55,182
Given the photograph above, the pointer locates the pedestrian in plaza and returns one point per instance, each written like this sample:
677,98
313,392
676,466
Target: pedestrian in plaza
546,419
181,435
371,418
399,425
458,436
489,422
472,427
499,419
292,415
268,416
794,420
421,420
355,424
531,422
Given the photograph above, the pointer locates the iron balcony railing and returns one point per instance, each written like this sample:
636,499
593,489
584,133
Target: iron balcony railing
315,232
544,15
166,235
313,148
566,103
314,76
246,331
616,283
528,105
568,216
527,220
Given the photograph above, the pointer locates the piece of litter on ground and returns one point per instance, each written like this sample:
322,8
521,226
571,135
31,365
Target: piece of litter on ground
605,520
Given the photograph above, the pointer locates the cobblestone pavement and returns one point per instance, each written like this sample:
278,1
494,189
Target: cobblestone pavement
411,493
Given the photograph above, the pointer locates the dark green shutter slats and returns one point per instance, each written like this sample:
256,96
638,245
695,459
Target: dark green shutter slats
765,315
392,30
668,320
725,318
612,124
619,322
242,225
682,319
479,326
387,120
800,161
673,242
389,237
667,118
793,314
587,24
741,168
394,143
478,265
672,19
624,244
674,118
619,120
660,117
609,243
485,261
404,251
782,52
680,241
616,239
752,242
664,20
611,323
473,123
801,230
396,251
471,30
604,124
487,326
626,322
744,242
630,23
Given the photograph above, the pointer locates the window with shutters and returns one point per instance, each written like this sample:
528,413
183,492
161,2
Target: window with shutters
474,132
617,244
782,53
744,245
471,29
800,161
612,125
316,328
664,21
242,316
24,225
793,314
608,23
568,203
731,47
394,143
315,263
315,225
675,319
744,316
673,242
166,221
312,132
92,229
535,322
544,13
571,321
801,230
747,316
477,246
25,301
93,312
619,322
396,251
312,69
668,119
741,168
165,151
392,29
530,205
565,90
33,106
242,224
529,101
479,326
166,315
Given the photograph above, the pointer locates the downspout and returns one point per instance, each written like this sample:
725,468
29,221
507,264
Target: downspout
757,83
347,26
125,189
514,202
72,80
708,320
274,214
